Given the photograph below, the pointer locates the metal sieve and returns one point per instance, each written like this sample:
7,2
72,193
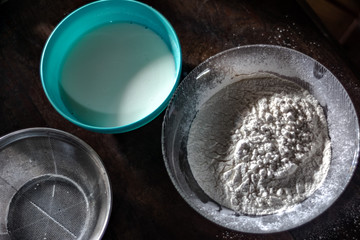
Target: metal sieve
53,186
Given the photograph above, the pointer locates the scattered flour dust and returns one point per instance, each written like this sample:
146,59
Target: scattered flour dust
259,145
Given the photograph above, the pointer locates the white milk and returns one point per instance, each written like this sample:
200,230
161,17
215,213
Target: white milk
117,74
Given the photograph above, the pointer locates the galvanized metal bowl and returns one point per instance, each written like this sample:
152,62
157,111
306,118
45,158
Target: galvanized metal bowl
219,71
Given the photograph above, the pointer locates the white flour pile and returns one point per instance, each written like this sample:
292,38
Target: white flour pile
260,145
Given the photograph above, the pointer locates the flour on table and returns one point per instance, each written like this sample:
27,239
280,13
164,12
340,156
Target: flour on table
259,145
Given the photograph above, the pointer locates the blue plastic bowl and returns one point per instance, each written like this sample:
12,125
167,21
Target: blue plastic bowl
81,21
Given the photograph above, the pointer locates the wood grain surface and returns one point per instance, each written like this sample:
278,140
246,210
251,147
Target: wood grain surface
145,203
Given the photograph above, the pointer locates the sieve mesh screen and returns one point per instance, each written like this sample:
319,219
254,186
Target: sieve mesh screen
48,208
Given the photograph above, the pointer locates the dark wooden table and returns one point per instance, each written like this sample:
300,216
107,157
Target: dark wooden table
146,204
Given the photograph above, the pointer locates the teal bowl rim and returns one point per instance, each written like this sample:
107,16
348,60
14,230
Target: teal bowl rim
123,128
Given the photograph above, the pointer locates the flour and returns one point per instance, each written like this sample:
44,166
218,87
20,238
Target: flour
259,145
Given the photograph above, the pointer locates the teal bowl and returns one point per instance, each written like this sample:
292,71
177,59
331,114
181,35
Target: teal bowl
123,103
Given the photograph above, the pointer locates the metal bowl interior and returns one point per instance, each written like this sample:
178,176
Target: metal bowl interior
53,186
219,71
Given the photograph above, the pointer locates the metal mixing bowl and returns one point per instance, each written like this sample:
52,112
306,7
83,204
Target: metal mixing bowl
53,186
219,71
